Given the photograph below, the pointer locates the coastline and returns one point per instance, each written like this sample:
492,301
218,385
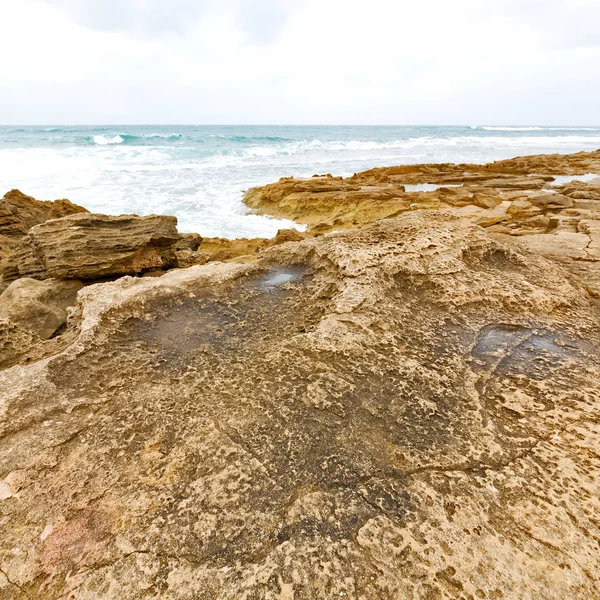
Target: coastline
197,173
400,402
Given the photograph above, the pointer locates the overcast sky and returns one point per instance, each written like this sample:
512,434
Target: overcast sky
300,61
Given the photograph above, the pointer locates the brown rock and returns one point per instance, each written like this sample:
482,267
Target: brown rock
189,258
486,198
39,306
332,204
18,213
523,208
220,249
404,411
582,189
516,183
188,241
91,246
288,235
16,345
550,200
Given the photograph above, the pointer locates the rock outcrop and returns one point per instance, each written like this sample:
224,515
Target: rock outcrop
409,410
92,246
40,307
519,198
18,213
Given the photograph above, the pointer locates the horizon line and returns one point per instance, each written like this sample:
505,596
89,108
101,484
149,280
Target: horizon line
470,126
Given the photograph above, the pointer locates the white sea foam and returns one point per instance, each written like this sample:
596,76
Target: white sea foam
305,146
540,128
160,136
102,140
199,175
512,128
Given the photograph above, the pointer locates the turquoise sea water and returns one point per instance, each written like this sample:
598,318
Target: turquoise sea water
199,173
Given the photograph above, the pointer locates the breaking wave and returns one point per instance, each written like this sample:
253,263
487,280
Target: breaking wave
103,140
539,128
198,173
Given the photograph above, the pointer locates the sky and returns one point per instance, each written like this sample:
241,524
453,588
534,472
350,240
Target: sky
502,62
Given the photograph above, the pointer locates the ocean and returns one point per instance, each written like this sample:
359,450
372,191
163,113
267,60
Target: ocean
199,173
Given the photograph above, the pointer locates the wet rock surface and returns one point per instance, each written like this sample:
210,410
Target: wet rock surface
409,410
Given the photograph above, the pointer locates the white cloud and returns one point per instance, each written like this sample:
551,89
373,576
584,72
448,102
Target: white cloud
307,61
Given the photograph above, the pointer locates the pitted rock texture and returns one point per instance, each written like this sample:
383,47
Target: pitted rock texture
411,410
92,246
520,197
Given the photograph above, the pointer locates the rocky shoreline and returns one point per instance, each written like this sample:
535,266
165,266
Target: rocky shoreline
402,402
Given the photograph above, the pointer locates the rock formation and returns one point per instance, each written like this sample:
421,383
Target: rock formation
39,306
92,246
18,213
517,197
409,410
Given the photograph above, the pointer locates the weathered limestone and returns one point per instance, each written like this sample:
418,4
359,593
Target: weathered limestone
91,246
39,306
331,203
406,411
517,197
18,213
400,410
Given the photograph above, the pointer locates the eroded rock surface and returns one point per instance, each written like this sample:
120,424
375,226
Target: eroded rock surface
39,306
525,197
92,246
410,410
18,213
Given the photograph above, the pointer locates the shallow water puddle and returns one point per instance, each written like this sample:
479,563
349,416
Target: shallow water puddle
564,179
511,349
278,277
428,187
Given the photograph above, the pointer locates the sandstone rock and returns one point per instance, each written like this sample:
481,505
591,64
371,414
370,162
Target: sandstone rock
39,306
409,410
326,204
288,235
552,200
592,230
18,213
522,207
582,190
92,246
486,199
518,183
188,241
219,249
189,258
15,344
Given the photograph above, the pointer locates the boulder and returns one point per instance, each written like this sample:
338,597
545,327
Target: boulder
189,258
287,235
93,246
40,307
522,208
19,212
188,241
